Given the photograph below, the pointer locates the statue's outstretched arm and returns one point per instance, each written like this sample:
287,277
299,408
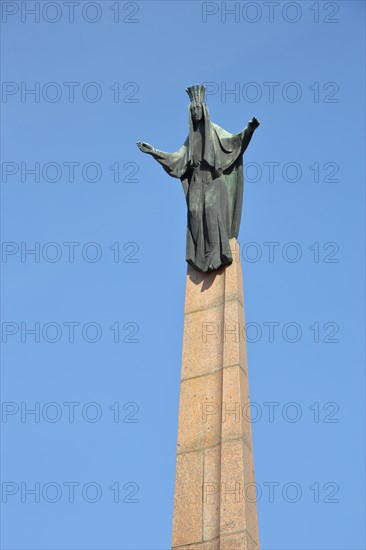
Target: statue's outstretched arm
247,133
147,148
173,163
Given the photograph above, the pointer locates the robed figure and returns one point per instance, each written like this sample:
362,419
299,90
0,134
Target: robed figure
210,167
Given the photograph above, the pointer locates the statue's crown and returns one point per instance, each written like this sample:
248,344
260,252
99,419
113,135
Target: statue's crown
196,93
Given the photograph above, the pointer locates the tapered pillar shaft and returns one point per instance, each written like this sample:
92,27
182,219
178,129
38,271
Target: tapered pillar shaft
214,503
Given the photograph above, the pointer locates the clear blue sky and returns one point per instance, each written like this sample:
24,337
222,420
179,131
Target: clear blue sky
304,185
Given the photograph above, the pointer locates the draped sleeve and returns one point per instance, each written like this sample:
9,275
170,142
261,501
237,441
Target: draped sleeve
232,147
175,164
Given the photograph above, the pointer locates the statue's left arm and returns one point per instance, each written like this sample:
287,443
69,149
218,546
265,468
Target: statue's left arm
247,133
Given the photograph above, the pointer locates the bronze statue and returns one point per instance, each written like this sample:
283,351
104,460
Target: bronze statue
210,167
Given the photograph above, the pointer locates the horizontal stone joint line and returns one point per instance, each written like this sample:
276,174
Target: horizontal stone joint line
229,298
223,440
222,535
215,371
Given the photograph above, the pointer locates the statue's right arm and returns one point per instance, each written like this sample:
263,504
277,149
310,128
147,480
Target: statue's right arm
145,147
157,154
173,163
150,150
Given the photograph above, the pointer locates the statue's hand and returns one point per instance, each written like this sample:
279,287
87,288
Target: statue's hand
145,147
255,122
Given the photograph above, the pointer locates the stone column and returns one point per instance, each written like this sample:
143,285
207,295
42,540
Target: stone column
214,503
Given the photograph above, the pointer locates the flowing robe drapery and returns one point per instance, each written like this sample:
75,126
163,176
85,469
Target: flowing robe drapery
209,165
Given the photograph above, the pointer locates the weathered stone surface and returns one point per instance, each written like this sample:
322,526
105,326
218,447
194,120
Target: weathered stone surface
239,541
235,413
187,521
211,493
199,425
199,283
215,505
202,342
